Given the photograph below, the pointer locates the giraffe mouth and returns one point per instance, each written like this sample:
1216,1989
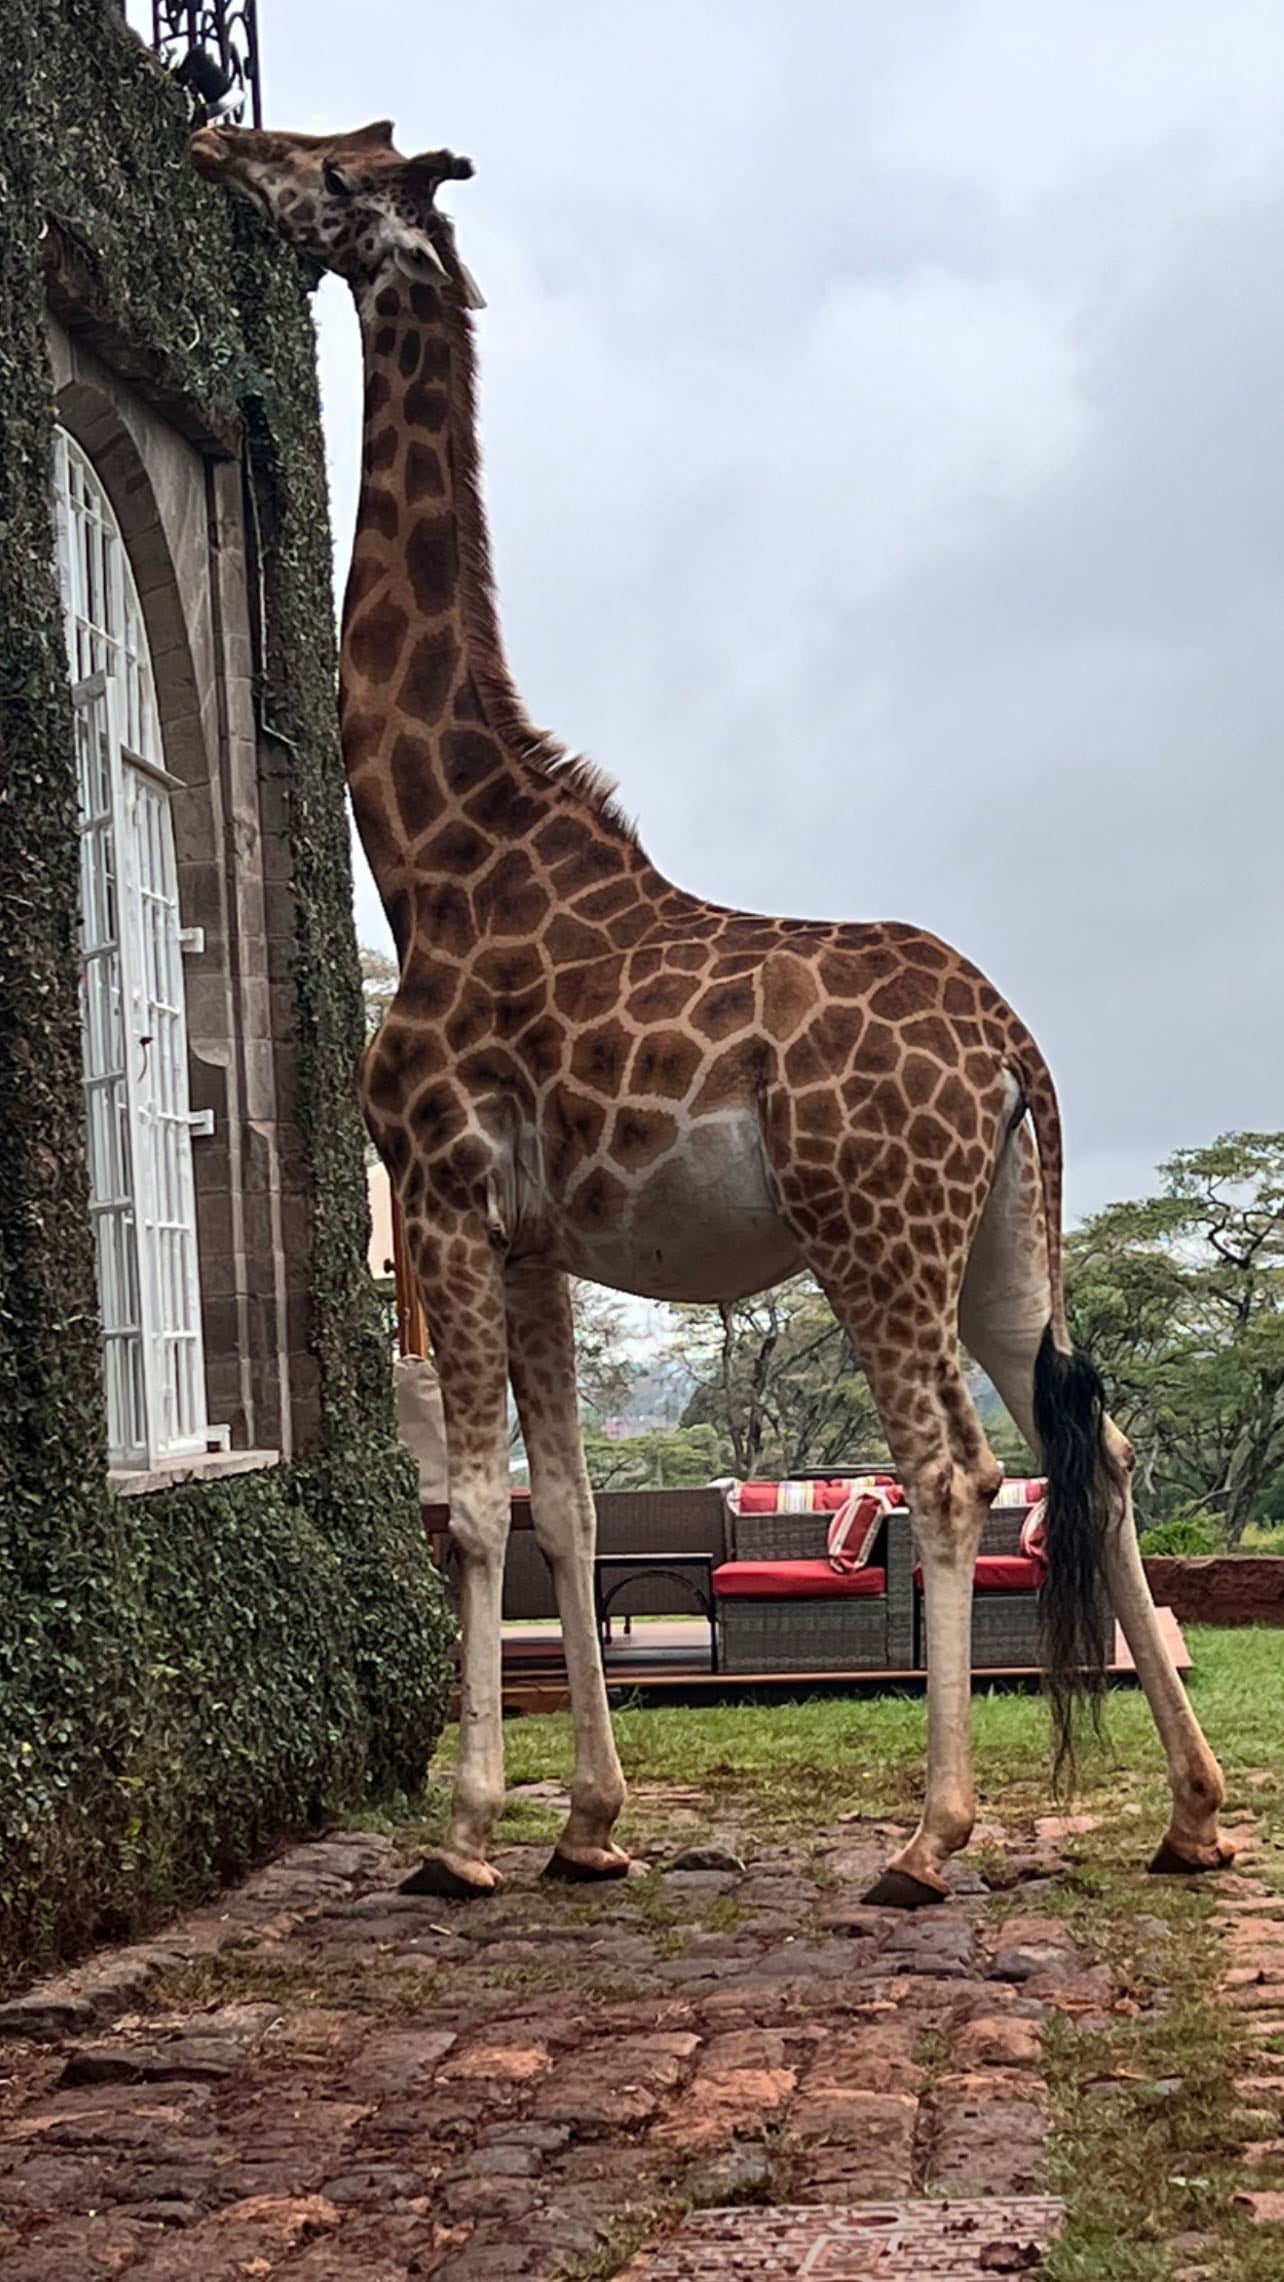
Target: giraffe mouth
214,158
209,153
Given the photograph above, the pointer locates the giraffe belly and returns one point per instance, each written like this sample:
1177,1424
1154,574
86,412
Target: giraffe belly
701,1227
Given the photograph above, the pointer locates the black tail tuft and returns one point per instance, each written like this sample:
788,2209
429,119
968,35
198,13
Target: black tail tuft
1084,1484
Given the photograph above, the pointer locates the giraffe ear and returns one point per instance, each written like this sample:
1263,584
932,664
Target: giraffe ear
474,298
420,259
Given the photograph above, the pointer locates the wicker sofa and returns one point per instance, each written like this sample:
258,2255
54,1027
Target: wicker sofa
650,1523
1006,1626
782,1608
1005,1599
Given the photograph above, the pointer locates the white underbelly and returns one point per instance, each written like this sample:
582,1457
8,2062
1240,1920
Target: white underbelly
701,1226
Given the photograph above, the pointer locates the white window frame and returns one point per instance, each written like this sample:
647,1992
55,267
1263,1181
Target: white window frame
139,1122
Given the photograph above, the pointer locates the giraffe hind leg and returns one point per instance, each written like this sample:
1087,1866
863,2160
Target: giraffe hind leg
950,1477
1004,1315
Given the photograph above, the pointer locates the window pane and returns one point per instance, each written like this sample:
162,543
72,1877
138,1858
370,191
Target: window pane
135,1043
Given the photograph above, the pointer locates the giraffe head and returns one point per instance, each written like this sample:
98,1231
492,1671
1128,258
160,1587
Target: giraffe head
350,202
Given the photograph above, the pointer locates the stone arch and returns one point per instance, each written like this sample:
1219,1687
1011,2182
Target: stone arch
97,417
169,500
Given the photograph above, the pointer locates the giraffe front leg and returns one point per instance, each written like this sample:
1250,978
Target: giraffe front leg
541,1352
463,1297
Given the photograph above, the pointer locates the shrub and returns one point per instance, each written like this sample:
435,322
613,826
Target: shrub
1263,1537
1185,1534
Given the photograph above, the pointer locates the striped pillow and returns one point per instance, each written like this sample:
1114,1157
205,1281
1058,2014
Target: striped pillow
1021,1491
854,1530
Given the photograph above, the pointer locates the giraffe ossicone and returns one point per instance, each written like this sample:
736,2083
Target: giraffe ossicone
587,1071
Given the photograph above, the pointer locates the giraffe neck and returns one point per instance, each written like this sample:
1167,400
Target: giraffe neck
442,762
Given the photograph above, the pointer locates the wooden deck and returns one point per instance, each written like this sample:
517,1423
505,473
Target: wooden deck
668,1659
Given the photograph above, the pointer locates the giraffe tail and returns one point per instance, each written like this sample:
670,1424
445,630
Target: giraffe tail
1084,1478
1084,1487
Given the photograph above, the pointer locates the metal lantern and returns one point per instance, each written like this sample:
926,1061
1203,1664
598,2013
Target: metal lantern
212,48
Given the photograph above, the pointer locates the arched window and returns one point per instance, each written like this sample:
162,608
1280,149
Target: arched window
135,1032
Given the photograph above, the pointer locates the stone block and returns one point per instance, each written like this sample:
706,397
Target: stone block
724,2104
997,2040
1020,1961
614,2085
984,2144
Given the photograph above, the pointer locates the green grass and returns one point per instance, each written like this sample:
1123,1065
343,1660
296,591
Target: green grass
246,1974
790,1765
1158,2157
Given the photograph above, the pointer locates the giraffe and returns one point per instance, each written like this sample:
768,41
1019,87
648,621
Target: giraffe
589,1072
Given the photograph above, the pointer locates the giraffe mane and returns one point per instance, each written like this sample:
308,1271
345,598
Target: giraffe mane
540,752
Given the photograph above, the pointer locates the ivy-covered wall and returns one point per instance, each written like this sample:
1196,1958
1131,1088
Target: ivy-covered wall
185,1674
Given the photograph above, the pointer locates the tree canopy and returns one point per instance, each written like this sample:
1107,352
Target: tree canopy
1180,1299
670,1458
379,977
778,1381
605,1371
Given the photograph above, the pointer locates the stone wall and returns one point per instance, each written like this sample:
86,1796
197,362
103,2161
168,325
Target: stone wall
188,1673
1231,1588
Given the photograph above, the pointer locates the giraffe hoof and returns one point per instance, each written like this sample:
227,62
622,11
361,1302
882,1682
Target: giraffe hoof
453,1878
586,1865
1197,1862
897,1890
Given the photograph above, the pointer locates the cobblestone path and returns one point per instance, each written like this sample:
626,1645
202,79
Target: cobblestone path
329,2081
1251,1918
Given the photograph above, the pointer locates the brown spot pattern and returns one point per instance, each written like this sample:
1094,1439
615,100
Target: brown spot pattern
565,1008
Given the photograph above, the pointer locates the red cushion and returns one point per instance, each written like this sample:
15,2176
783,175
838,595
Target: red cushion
1009,1573
793,1581
759,1497
826,1497
1003,1573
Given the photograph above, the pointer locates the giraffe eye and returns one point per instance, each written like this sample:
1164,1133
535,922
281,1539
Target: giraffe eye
335,181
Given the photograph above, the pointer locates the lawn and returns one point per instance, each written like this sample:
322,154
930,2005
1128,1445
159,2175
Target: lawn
867,1751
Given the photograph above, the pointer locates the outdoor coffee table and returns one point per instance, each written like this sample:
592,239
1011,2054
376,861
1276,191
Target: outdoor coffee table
694,1570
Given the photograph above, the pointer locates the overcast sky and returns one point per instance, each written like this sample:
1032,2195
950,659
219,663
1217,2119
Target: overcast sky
883,411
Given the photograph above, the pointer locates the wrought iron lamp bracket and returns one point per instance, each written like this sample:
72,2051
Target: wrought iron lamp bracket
212,49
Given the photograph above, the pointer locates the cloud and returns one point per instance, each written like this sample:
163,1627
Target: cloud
881,419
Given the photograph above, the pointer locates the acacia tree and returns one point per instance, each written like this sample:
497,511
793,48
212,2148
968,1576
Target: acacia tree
605,1372
777,1377
379,977
671,1458
1180,1298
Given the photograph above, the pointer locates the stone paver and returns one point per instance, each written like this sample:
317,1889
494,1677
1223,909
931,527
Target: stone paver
329,2080
1251,1920
909,2242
